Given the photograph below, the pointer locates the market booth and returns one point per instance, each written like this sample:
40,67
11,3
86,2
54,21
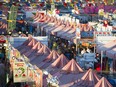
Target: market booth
21,70
60,26
107,52
111,54
51,69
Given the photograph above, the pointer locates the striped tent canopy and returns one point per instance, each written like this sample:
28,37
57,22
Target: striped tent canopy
3,26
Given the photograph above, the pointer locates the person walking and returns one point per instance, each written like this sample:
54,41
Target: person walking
2,74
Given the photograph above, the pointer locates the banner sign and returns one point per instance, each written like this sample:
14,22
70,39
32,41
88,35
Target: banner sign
20,72
78,33
12,17
87,34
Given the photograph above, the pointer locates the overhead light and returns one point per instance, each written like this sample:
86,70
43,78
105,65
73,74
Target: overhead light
9,32
20,32
5,44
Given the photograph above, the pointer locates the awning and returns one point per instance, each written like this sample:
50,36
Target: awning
106,47
111,53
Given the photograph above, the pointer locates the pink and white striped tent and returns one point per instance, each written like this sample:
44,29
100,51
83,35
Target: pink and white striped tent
24,43
68,35
48,26
89,79
56,25
65,33
58,64
64,26
57,29
106,47
29,46
103,83
34,49
71,70
68,28
111,53
43,51
49,20
72,67
48,60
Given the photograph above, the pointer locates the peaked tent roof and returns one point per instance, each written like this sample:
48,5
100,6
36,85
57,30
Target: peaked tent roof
88,80
72,67
27,41
103,83
38,45
31,42
44,50
60,62
52,56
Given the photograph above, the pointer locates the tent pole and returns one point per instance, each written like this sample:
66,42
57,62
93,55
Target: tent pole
101,60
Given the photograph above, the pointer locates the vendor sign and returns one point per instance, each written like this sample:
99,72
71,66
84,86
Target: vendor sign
20,72
87,34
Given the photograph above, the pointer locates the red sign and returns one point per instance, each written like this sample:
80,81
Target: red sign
2,39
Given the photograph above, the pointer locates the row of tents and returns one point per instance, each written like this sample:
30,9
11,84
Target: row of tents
59,66
61,28
66,28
